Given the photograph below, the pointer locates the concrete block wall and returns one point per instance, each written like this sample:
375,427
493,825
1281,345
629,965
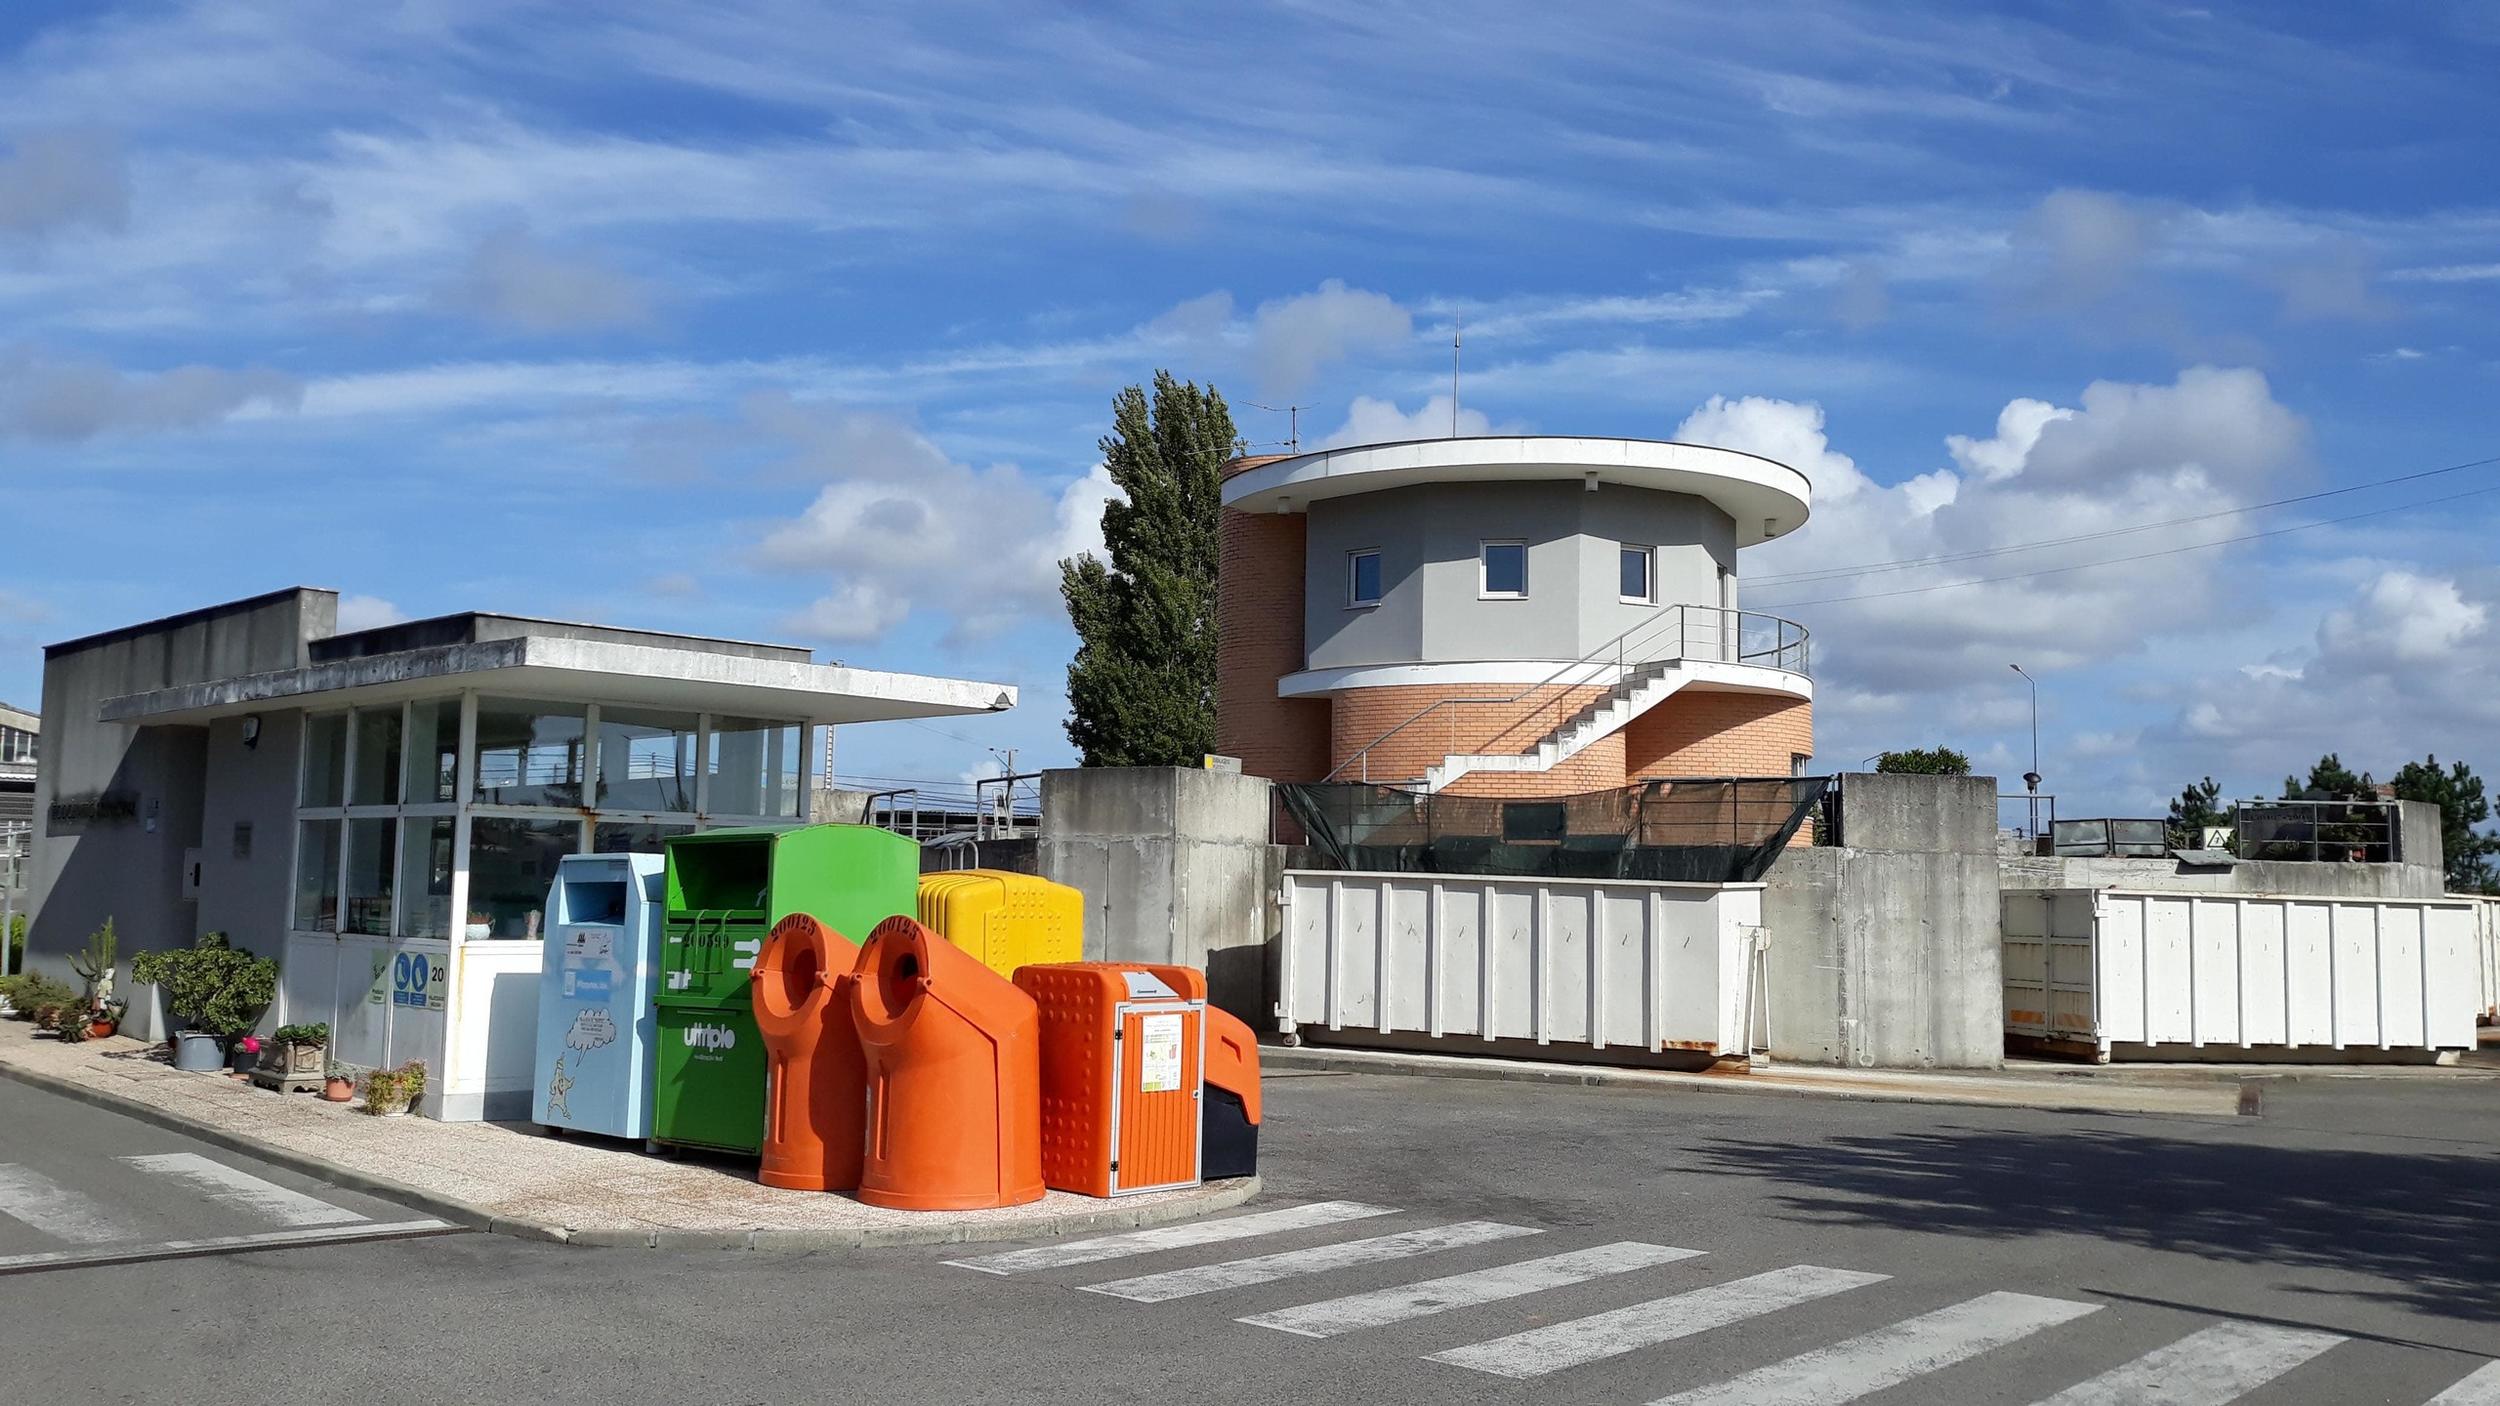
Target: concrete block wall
1175,866
1886,953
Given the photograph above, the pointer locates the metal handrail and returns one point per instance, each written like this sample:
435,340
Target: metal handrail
1723,624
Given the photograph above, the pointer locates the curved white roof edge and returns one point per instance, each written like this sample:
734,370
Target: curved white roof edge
1766,498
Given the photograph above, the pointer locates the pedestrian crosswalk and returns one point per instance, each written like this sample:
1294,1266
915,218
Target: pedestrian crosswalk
88,1224
2211,1366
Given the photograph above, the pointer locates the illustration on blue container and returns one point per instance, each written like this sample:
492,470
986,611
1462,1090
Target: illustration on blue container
595,1016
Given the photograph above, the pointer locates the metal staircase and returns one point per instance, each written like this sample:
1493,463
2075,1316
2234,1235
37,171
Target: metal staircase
1642,667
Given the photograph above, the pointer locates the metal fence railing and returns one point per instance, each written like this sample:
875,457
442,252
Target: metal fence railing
2028,818
2327,832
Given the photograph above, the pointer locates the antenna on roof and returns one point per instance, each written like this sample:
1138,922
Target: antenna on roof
1458,331
1293,422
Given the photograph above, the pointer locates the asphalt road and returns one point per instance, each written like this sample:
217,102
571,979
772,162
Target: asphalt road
1442,1240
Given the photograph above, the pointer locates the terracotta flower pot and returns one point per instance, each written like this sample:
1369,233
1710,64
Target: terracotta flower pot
98,1029
339,1089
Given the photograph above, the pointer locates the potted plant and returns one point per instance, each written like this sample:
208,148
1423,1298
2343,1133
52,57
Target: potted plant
104,1018
481,926
95,964
294,1057
390,1092
242,1055
213,993
338,1086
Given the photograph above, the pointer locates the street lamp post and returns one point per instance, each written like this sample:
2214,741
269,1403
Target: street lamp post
2031,778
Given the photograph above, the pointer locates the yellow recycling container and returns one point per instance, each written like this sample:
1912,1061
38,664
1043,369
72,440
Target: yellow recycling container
1003,920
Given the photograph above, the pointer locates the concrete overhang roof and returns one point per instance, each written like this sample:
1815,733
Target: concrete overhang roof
575,670
1766,498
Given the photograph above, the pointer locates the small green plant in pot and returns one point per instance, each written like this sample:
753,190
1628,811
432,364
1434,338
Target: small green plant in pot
213,992
391,1092
94,965
293,1058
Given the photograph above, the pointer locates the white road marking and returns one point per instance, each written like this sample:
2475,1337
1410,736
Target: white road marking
1539,1351
1887,1357
1235,1274
239,1188
268,1239
2207,1368
1385,1306
36,1200
1172,1237
2481,1387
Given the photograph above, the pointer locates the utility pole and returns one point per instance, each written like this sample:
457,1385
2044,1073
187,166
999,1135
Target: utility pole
1458,332
1007,791
2031,778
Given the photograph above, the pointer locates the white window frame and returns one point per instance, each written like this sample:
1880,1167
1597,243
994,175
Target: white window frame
1649,572
1354,599
1484,565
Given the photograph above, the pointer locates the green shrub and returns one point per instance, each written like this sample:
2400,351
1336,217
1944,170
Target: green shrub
316,1034
29,991
210,985
395,1088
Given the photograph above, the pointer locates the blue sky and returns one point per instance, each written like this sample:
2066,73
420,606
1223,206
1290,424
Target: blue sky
779,321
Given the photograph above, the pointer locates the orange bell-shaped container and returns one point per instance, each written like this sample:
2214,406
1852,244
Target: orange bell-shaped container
954,1076
815,1078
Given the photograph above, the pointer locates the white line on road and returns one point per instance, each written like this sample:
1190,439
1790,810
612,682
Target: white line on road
1870,1362
36,1200
1172,1237
268,1239
1385,1306
2481,1387
1235,1274
1539,1351
239,1188
2208,1368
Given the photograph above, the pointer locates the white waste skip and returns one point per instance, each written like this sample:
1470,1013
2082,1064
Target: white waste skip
2154,975
1603,964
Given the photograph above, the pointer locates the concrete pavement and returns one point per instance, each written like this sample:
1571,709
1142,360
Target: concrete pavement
1431,1240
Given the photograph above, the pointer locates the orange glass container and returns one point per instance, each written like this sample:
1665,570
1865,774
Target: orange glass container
814,1076
953,1055
1123,1050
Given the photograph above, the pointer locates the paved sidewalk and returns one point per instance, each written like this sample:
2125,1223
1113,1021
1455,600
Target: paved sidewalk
579,1190
2056,1093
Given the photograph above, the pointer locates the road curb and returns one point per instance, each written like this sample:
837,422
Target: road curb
1423,1066
1213,1197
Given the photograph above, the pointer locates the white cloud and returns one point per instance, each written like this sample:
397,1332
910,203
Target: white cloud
513,280
899,526
2079,246
42,399
1369,421
59,180
2128,455
1292,338
367,612
2403,618
2447,273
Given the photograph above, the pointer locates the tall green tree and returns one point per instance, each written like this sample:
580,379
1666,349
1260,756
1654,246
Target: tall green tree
1924,761
2198,806
2458,793
2330,780
1141,690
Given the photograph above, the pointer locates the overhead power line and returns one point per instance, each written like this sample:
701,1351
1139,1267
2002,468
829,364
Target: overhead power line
1829,573
2139,556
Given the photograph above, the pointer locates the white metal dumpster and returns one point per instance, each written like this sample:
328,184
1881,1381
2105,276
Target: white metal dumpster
1605,964
2154,974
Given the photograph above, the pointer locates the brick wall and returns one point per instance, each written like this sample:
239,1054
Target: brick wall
1258,623
1719,734
1361,715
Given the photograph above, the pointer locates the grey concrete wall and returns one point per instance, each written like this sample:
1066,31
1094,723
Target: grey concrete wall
145,784
1428,539
248,896
1175,867
1885,953
2256,876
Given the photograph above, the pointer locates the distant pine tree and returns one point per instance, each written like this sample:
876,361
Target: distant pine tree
1141,690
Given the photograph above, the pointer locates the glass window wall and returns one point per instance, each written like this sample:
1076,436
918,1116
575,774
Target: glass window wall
529,754
646,760
755,767
317,876
325,758
511,863
372,853
425,876
375,781
433,752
